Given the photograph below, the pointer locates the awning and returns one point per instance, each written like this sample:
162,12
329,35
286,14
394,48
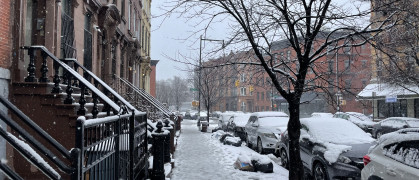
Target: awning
383,90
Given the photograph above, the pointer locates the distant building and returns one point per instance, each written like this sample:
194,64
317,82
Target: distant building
249,89
394,87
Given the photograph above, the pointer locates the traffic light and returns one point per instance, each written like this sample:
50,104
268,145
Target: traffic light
251,88
237,83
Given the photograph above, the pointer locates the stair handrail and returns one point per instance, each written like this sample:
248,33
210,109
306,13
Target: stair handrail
38,145
146,96
75,74
104,85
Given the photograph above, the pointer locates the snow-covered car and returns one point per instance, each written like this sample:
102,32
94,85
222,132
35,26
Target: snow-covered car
263,129
359,119
237,123
330,148
393,124
321,114
223,120
396,156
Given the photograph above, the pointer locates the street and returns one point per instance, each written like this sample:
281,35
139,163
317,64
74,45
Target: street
200,156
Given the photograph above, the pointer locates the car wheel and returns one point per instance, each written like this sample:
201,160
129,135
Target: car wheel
248,143
259,146
378,134
319,172
284,158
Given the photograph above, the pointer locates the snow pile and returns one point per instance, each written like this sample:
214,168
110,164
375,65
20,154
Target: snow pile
233,140
334,150
261,159
218,134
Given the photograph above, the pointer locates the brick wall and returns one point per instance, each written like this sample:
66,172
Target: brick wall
5,34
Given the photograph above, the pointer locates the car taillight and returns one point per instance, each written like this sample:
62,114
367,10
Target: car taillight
366,160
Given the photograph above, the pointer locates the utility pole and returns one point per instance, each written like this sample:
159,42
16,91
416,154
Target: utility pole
199,78
200,68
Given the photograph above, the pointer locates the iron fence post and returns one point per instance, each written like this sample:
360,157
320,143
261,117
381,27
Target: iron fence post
77,154
158,153
117,149
131,145
167,141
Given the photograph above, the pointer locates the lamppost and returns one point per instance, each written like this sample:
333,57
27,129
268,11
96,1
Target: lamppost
200,68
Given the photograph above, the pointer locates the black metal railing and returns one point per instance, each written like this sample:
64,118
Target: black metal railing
141,99
33,155
99,89
113,147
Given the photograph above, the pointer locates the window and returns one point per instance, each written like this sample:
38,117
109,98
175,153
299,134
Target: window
242,77
257,96
347,50
416,108
397,109
267,81
282,56
364,64
122,8
267,95
262,96
129,16
405,152
243,107
348,83
347,64
364,83
288,55
243,91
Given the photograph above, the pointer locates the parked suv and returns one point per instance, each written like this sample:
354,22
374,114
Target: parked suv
330,148
395,157
393,124
263,129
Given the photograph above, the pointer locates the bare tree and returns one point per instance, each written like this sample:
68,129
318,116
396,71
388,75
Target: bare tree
397,49
312,28
173,91
179,91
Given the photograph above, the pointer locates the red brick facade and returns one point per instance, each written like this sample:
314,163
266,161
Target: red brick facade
5,34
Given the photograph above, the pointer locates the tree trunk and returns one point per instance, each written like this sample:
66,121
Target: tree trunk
296,169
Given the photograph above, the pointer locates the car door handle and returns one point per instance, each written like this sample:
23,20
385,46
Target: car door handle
391,172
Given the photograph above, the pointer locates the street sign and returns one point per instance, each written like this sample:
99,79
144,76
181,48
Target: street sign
193,89
391,99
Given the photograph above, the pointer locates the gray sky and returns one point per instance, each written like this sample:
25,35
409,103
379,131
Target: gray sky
168,38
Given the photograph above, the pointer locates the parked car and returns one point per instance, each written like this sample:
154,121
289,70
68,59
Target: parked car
187,115
396,156
223,120
263,129
321,114
393,124
359,119
237,123
330,148
215,114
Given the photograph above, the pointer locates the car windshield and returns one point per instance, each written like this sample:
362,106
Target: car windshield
335,130
413,123
273,121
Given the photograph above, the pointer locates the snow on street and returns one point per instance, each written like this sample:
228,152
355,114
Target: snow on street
200,156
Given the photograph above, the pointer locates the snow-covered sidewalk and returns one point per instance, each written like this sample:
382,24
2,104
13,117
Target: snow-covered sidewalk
200,156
